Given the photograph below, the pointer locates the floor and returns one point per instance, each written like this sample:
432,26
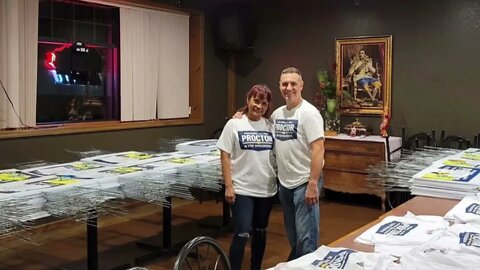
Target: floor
122,239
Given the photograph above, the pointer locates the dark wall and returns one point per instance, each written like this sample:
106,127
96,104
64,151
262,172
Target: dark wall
435,82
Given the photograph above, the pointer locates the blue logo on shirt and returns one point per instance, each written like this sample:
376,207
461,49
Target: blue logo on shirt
286,129
255,140
474,208
396,228
334,259
471,239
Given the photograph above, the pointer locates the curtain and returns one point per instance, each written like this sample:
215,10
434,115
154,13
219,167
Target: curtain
154,64
137,98
18,62
173,76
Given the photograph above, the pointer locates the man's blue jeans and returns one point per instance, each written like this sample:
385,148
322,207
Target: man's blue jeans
250,217
302,222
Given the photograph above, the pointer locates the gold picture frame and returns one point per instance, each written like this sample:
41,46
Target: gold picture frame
364,75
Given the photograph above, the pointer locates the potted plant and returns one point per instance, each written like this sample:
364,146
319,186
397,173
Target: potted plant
328,88
328,98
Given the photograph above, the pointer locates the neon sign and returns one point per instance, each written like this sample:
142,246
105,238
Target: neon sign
73,63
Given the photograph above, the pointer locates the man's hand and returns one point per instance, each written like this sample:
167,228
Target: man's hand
237,115
311,193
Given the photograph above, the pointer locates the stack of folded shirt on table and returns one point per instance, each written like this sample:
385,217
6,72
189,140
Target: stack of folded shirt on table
430,242
396,235
408,242
338,258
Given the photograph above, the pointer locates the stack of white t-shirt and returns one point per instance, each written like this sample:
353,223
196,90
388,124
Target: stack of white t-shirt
466,211
458,248
338,258
396,235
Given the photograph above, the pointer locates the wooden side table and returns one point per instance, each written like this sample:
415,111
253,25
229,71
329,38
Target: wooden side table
346,161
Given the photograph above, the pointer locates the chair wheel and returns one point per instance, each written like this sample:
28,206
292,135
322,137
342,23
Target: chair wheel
202,252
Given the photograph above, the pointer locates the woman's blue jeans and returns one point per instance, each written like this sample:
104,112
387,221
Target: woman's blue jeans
302,222
250,218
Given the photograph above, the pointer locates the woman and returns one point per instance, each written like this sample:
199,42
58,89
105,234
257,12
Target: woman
246,147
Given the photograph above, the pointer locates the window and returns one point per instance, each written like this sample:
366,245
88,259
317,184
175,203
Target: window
77,66
62,88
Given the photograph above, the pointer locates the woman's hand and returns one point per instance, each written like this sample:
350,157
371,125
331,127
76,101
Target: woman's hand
230,195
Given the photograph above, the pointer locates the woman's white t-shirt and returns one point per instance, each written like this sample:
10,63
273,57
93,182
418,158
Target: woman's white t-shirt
250,144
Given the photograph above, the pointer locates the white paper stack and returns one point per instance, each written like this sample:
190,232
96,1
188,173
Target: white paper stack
127,158
75,188
15,181
200,146
181,171
452,177
77,168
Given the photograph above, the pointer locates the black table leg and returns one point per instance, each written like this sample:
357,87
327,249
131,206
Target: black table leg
167,224
153,243
92,240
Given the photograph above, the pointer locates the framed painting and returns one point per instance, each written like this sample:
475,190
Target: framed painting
364,74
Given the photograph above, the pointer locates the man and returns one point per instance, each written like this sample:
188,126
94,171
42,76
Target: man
299,147
362,70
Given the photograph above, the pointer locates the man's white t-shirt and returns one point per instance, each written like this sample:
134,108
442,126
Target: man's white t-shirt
294,130
250,144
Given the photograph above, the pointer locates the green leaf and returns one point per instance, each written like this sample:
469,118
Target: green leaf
322,76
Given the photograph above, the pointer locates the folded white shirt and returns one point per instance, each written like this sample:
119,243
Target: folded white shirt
338,258
457,238
466,211
395,235
419,259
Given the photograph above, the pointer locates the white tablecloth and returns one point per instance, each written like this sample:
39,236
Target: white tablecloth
394,142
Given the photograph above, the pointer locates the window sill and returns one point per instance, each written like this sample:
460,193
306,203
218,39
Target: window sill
76,128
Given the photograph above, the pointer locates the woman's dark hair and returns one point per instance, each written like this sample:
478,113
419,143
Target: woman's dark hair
263,92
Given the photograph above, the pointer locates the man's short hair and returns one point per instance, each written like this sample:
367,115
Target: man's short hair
289,70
